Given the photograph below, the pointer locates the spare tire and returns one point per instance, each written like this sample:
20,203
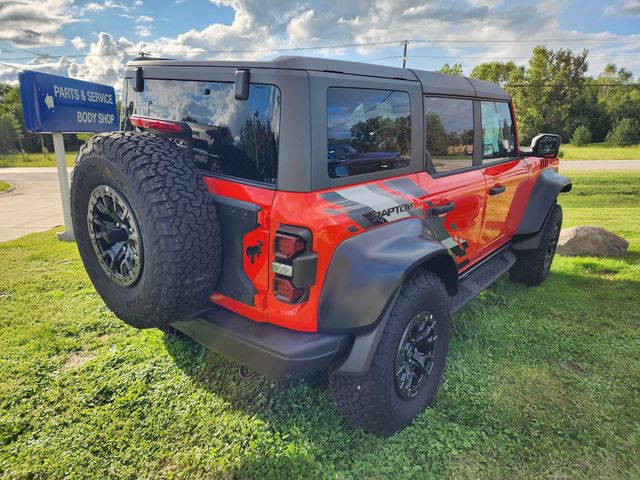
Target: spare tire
146,227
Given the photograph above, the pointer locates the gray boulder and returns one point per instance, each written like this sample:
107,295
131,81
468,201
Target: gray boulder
591,241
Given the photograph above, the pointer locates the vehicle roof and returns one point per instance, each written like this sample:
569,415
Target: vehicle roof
432,82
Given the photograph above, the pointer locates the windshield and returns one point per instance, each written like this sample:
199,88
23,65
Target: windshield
229,137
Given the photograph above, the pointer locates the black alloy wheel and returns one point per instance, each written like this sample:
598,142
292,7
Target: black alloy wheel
115,235
415,355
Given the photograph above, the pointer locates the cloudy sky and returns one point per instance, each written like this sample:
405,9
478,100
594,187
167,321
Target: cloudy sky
92,40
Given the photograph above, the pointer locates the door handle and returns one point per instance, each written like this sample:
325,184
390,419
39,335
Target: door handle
440,209
497,189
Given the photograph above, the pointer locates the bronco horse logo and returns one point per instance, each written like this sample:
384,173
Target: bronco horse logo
253,251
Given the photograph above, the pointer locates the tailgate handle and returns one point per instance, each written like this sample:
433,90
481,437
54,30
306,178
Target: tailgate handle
497,189
447,207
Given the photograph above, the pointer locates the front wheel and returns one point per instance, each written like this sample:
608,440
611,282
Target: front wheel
408,363
532,266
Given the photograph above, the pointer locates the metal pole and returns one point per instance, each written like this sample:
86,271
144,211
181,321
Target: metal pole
404,53
63,181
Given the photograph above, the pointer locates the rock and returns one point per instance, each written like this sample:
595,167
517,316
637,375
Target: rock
591,241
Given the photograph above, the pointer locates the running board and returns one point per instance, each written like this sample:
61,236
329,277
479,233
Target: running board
480,278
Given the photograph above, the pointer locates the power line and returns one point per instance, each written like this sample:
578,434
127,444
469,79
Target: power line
346,45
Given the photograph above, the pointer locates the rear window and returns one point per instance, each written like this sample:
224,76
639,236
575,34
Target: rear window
367,131
229,137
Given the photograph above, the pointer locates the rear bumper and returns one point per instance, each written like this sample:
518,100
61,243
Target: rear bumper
270,350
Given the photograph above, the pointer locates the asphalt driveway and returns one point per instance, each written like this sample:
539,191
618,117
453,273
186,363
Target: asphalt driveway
33,206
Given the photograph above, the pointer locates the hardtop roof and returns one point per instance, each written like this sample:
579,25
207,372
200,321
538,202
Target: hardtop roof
432,82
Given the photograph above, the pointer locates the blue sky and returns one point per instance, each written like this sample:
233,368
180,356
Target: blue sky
92,40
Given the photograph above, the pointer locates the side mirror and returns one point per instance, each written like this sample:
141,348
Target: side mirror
545,145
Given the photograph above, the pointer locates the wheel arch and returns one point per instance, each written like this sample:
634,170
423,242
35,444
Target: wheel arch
543,197
367,271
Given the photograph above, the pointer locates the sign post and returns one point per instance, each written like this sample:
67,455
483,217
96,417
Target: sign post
57,105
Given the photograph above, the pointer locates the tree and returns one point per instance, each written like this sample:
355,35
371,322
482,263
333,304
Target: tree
581,136
455,69
617,98
495,72
437,139
625,133
9,132
544,93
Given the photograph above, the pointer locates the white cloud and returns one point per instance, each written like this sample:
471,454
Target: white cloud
78,43
629,7
34,23
142,31
144,19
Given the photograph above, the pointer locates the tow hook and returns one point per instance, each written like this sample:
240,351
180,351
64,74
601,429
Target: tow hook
246,374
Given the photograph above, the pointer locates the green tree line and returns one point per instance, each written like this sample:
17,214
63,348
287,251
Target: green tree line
554,94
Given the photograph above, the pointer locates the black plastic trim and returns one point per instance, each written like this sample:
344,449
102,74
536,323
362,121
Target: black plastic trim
237,218
268,349
548,185
367,270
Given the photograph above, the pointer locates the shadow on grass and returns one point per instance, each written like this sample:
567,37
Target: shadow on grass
506,315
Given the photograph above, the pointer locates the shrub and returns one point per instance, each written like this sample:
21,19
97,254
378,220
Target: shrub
581,136
626,132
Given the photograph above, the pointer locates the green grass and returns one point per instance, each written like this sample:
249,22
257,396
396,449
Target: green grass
599,151
34,159
540,383
4,186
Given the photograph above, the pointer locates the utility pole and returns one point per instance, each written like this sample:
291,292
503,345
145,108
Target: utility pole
404,53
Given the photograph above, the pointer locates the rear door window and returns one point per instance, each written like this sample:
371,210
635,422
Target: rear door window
229,137
367,131
449,132
498,132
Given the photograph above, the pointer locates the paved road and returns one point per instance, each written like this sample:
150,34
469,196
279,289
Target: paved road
35,205
599,165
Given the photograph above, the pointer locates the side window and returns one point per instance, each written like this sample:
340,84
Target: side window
498,133
367,131
449,132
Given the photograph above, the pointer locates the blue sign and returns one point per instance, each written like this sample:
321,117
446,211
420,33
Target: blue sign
60,104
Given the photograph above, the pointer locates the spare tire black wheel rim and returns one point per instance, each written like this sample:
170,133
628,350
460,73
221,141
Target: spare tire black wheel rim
415,356
115,235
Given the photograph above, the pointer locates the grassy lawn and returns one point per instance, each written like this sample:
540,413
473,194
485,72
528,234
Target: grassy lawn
35,159
540,383
598,151
4,186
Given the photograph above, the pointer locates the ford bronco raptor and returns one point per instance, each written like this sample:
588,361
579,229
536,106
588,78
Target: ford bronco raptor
304,215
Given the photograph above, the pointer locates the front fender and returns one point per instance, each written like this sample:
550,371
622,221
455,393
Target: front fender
368,269
548,185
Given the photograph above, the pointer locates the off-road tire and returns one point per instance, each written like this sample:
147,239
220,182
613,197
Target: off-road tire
178,226
371,401
530,267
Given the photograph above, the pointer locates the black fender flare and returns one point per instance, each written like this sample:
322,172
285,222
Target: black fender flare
367,270
543,197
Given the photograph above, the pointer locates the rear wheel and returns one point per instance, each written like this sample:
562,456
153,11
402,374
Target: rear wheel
407,366
532,266
146,227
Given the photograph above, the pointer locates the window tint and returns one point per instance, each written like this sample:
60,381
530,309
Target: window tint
229,137
498,133
367,131
449,131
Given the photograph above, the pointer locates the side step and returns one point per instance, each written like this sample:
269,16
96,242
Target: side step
480,278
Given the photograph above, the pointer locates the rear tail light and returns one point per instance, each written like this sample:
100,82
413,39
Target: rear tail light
288,246
295,264
155,124
285,291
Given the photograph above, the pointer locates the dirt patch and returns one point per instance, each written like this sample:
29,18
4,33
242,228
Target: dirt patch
575,368
77,359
